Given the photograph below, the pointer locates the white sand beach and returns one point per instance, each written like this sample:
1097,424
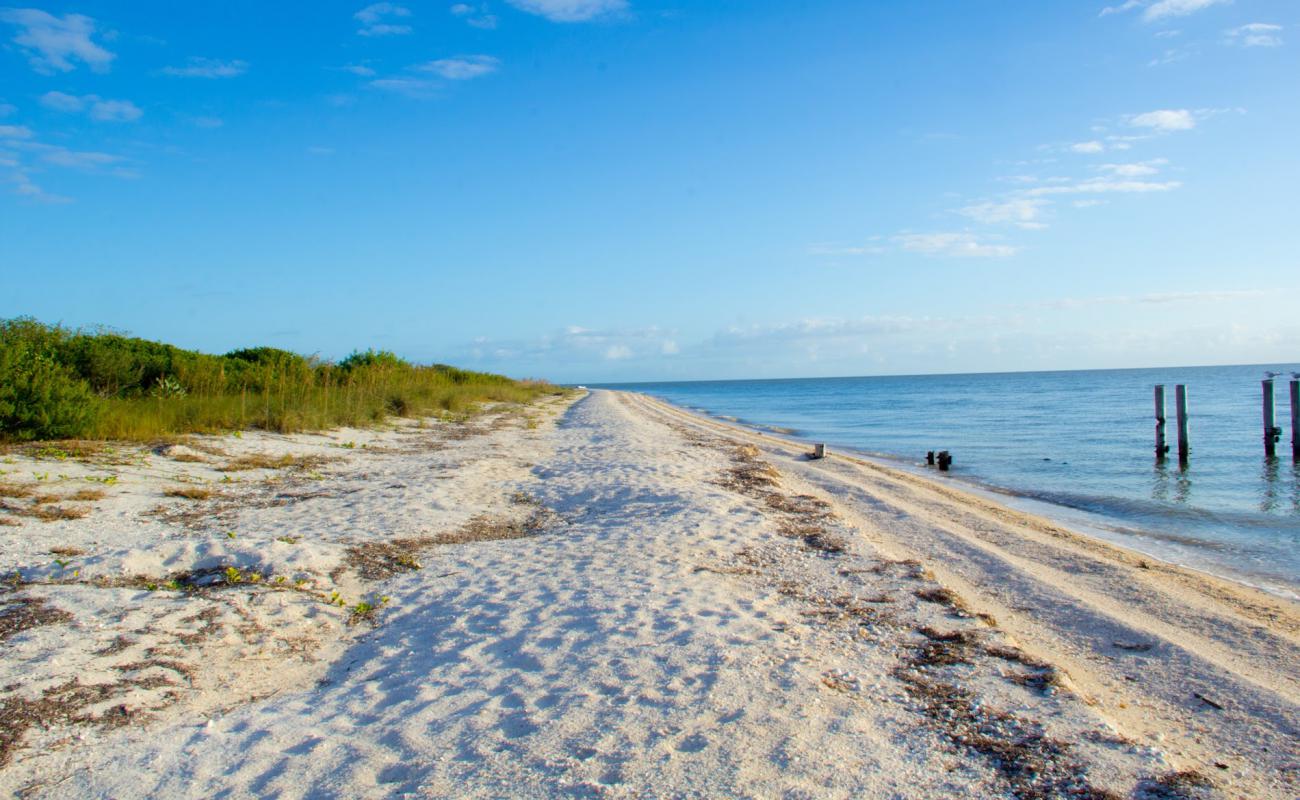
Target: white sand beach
604,596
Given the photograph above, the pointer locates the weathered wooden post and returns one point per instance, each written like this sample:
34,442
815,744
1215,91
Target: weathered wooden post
945,460
1295,419
819,450
1271,432
929,457
1162,449
1180,404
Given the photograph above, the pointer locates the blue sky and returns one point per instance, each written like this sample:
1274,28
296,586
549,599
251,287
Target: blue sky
594,190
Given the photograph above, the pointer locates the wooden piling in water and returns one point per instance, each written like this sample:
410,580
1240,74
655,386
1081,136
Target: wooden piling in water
1271,432
1161,448
1180,404
1295,419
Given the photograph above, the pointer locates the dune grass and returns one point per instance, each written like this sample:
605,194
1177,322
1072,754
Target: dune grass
57,383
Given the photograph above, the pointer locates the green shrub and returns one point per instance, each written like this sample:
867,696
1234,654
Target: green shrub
39,397
105,385
372,358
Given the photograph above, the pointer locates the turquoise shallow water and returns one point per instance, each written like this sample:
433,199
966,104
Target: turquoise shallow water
1077,446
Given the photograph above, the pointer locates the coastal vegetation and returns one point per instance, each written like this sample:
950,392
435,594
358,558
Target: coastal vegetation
60,383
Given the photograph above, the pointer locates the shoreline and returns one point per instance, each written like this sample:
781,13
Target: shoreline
1110,529
606,596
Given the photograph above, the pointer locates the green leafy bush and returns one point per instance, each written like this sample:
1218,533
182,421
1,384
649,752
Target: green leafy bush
39,397
57,383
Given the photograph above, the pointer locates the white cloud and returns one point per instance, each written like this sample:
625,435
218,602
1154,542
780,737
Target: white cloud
1105,186
1163,9
1153,298
1093,146
846,250
618,352
461,68
1023,212
15,132
53,43
114,111
953,245
1135,170
62,102
475,14
1165,120
411,87
375,18
570,10
1128,5
98,108
198,67
25,187
1256,34
669,348
78,159
359,69
1172,56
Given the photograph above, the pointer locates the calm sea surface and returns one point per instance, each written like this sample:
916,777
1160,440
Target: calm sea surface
1076,446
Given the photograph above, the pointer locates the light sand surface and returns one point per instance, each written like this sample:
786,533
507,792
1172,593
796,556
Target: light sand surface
613,598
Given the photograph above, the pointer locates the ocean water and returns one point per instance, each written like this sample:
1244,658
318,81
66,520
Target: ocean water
1074,446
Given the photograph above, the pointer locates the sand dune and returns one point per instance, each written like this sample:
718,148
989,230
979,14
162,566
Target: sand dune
615,598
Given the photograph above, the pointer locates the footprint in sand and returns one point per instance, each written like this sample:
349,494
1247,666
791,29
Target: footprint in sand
693,743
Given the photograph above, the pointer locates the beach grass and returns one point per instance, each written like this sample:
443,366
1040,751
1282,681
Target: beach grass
57,383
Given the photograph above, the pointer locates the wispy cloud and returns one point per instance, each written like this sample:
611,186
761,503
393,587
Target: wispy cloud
1022,211
1163,9
828,249
1154,298
52,44
1088,147
1165,120
376,20
1256,34
199,67
13,132
24,186
460,68
98,108
570,10
953,245
576,343
475,14
1104,185
411,87
1134,170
